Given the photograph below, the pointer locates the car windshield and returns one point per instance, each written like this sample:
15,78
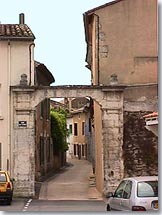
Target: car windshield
2,177
147,189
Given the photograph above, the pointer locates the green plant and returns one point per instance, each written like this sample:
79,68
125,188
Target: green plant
59,130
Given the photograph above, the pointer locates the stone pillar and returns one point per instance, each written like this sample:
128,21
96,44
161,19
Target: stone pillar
112,139
23,143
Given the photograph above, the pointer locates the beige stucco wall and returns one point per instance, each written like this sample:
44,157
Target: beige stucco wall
4,106
14,61
95,64
20,61
98,147
79,118
128,41
69,153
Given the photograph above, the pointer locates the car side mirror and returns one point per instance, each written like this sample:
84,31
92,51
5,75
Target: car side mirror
109,194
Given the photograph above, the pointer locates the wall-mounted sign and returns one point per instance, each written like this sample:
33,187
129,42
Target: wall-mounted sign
22,124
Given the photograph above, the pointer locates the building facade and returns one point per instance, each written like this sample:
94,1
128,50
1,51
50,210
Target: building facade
79,127
44,158
122,48
17,63
24,162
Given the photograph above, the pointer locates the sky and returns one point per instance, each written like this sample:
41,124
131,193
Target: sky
59,30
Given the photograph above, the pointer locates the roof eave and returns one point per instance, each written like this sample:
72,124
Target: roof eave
17,38
89,12
46,71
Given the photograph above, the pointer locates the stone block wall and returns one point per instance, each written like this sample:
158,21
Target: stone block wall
140,146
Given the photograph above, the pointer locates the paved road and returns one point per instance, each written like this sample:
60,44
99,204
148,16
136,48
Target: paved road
66,206
35,205
72,183
17,204
69,190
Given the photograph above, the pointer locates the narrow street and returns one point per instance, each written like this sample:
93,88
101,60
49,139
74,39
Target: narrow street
71,189
71,183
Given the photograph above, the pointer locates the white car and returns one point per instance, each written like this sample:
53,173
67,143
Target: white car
135,194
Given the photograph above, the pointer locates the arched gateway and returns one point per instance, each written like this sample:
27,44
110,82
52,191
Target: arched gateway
23,102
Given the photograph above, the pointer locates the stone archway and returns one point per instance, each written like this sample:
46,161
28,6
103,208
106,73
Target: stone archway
24,100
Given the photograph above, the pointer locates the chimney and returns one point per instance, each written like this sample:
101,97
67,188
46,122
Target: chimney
21,18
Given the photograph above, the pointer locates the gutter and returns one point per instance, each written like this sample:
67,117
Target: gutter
30,60
86,18
8,107
98,50
17,38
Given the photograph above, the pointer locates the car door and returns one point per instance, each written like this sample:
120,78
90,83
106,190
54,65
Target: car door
126,200
116,200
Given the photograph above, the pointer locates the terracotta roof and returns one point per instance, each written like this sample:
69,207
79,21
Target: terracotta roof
43,72
102,6
15,32
154,114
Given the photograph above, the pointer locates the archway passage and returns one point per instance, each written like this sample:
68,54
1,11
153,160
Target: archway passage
70,183
108,99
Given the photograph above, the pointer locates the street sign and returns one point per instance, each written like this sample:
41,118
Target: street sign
22,124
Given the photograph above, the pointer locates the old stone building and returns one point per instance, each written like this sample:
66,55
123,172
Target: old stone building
44,158
17,67
79,127
122,39
25,161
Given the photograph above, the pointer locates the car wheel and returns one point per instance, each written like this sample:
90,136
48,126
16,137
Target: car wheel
9,202
108,208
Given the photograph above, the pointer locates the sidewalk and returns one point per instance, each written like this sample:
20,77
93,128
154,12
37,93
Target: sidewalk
93,193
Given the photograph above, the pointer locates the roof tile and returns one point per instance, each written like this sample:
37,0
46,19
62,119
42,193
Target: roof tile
154,114
15,31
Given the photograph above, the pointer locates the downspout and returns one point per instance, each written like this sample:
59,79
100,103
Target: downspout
98,50
8,108
30,61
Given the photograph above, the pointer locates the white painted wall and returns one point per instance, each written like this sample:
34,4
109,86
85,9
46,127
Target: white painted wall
14,61
69,153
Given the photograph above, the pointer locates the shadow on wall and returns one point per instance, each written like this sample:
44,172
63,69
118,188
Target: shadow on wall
140,146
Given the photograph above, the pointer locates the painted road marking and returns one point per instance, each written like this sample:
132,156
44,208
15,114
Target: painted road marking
27,205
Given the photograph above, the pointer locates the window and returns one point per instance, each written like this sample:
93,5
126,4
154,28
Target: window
41,109
48,149
3,177
70,129
127,190
75,129
147,189
119,191
83,148
45,108
90,124
41,150
74,149
83,128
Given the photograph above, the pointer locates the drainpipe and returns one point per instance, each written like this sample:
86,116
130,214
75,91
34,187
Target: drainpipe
30,61
98,64
8,161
